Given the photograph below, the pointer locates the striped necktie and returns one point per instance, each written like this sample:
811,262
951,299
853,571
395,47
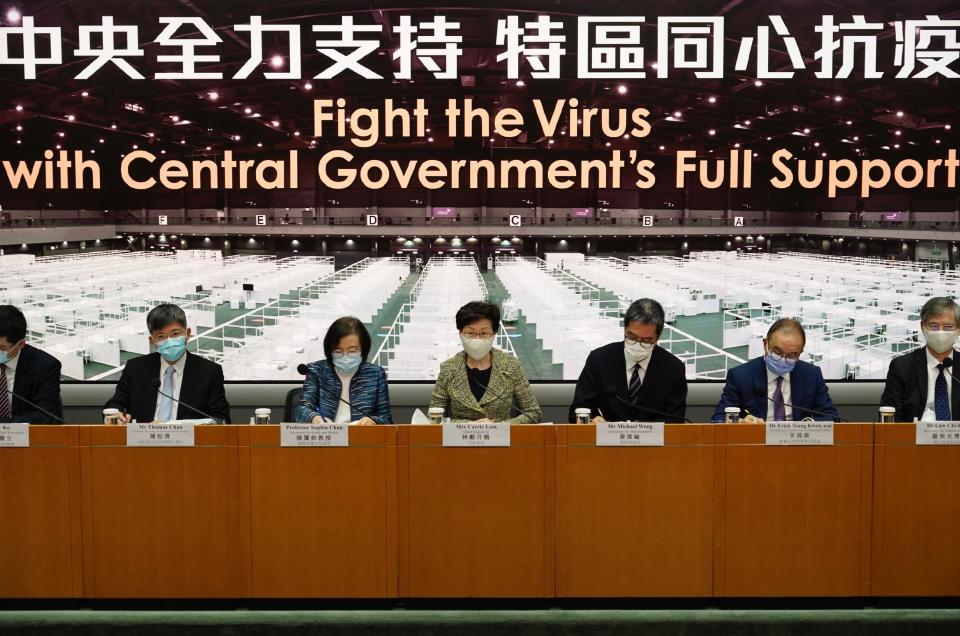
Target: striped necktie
4,396
941,399
634,387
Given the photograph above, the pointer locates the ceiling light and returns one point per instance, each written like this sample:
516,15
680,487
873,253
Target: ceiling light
214,95
19,127
622,89
677,114
275,123
899,113
711,132
712,99
19,108
175,117
247,110
113,126
757,83
308,86
521,83
276,61
746,122
837,98
70,118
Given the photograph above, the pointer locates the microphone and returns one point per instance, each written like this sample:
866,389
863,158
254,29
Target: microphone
156,385
59,420
762,393
500,396
611,392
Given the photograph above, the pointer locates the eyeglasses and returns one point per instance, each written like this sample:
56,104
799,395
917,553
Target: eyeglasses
162,337
631,340
936,327
343,352
474,335
784,356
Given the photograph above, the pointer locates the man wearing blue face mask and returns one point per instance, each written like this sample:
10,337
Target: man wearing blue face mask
29,377
778,386
189,386
345,388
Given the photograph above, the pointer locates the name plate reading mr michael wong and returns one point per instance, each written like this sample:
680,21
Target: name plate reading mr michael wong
165,434
14,435
799,433
938,433
476,434
313,435
630,434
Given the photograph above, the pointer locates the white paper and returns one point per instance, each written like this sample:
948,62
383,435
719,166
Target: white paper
162,434
14,435
419,418
802,433
630,434
299,434
476,434
938,433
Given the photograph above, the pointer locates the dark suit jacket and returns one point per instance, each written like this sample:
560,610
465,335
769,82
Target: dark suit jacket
38,380
201,387
746,387
664,387
906,388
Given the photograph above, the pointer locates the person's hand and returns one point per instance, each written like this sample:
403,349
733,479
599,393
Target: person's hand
751,419
598,420
316,420
366,421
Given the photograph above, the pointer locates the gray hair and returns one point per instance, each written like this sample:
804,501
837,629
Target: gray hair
939,305
163,315
646,311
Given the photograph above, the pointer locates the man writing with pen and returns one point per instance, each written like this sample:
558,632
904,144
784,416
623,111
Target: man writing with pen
481,383
171,383
634,379
778,386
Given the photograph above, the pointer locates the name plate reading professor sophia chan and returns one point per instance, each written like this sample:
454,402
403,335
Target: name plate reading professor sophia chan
162,434
293,435
630,434
476,434
799,433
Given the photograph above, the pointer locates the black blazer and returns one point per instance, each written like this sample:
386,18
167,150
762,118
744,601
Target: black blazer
38,380
664,387
906,388
201,387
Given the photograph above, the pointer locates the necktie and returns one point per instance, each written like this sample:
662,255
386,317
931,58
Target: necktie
779,408
4,396
634,387
166,404
941,401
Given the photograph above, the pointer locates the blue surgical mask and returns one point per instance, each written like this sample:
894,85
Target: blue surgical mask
172,348
347,362
779,365
5,356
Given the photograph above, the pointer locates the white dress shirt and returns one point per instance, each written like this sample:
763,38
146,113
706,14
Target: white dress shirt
177,382
930,412
784,390
12,375
343,408
632,363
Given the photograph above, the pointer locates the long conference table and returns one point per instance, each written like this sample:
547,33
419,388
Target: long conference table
714,512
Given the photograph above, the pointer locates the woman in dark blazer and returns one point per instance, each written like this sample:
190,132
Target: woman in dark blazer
345,387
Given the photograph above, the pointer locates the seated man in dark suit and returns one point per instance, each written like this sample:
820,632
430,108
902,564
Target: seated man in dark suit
195,382
633,379
779,386
31,374
920,383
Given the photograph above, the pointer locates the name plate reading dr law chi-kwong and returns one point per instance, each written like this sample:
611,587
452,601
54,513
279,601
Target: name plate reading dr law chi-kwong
938,433
799,433
14,435
295,435
476,434
630,434
164,434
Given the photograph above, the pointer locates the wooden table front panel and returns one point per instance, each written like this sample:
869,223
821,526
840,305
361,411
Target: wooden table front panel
476,522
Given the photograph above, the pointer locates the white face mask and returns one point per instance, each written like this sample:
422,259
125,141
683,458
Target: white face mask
940,341
477,348
637,351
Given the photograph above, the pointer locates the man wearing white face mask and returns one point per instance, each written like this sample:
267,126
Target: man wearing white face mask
172,383
482,383
920,383
634,379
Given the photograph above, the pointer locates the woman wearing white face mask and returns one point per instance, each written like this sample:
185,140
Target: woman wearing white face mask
345,387
482,383
921,384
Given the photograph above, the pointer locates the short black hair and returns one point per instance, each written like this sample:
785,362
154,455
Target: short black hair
646,311
478,310
346,326
13,324
787,325
163,315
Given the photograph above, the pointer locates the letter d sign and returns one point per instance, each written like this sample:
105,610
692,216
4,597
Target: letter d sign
372,220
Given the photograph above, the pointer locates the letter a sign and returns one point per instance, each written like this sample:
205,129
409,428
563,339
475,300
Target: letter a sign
738,221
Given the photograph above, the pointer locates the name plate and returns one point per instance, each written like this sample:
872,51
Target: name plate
630,434
938,433
163,434
799,433
476,434
14,435
294,434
